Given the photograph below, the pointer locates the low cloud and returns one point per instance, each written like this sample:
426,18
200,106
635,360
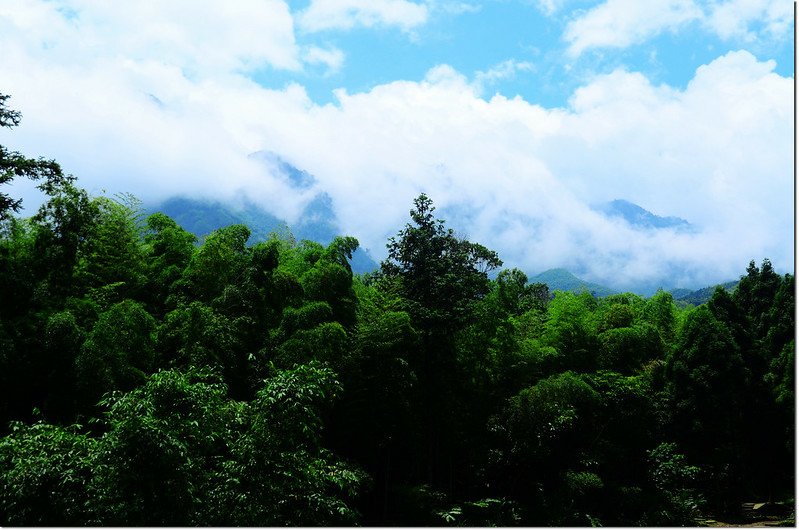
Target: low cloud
515,176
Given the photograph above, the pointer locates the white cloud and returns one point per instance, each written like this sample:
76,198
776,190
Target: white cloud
621,23
453,7
235,35
745,19
505,70
550,7
513,175
332,58
323,15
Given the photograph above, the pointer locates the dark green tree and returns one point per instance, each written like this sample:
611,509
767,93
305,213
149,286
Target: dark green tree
45,471
439,275
707,381
439,278
14,164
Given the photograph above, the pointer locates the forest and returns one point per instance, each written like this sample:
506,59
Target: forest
148,377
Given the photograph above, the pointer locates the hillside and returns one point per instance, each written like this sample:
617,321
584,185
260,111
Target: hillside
201,217
701,296
639,217
563,280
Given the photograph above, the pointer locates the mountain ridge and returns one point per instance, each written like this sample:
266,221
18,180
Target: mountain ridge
203,216
641,218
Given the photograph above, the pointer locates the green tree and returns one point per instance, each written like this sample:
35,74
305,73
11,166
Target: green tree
168,250
118,353
110,265
439,275
64,226
660,311
678,502
280,474
541,438
45,471
163,452
219,263
569,329
375,423
14,164
439,278
706,376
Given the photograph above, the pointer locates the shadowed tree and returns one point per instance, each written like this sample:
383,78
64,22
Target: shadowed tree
439,278
13,164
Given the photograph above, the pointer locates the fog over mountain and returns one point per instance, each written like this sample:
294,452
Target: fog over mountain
685,112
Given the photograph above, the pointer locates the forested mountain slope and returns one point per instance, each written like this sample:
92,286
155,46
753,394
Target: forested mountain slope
316,223
563,280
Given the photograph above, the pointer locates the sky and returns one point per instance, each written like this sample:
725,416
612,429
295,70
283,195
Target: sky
517,117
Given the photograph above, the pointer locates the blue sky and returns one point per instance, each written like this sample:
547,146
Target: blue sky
515,116
475,37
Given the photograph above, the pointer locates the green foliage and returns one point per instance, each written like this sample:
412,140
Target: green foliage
197,335
281,473
45,471
113,252
156,463
13,164
569,330
65,225
661,312
706,375
678,502
483,513
178,452
219,262
542,429
625,349
118,352
438,274
168,249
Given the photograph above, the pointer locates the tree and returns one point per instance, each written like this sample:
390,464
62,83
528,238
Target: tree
45,472
110,265
661,312
707,382
439,275
569,330
168,250
64,226
541,437
13,164
118,353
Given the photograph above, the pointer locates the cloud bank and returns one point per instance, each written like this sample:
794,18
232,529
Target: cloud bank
125,113
622,23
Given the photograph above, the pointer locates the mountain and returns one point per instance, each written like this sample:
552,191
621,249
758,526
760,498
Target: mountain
638,217
317,223
201,217
297,178
563,280
701,296
679,292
